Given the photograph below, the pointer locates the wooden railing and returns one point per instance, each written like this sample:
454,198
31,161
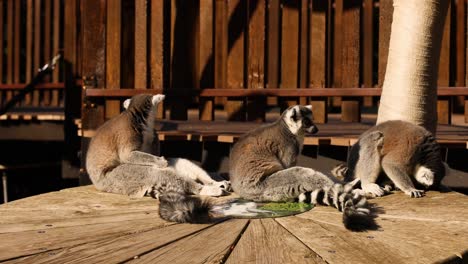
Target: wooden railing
266,48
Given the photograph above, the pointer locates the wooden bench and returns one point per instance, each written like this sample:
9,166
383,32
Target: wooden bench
85,225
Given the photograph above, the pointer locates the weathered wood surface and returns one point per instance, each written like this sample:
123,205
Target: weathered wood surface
82,225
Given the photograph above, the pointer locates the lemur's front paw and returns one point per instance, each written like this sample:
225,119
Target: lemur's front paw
213,190
373,189
413,193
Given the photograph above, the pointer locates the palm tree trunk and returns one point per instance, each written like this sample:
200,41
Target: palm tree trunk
410,85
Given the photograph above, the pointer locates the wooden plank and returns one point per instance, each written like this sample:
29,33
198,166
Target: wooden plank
256,58
318,56
267,241
46,48
273,47
443,104
368,48
55,101
289,48
206,58
129,245
402,235
64,240
113,48
208,246
385,23
9,46
237,17
350,64
140,43
156,50
29,47
37,47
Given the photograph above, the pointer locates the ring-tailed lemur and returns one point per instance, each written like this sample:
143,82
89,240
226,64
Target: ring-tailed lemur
407,153
263,168
123,158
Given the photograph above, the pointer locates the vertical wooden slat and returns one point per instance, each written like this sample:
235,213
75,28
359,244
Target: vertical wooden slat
10,45
140,43
289,48
318,56
29,46
37,47
368,48
350,108
256,58
273,45
303,47
156,49
183,54
235,59
461,50
55,49
17,44
444,104
1,49
385,23
205,59
113,42
220,44
46,41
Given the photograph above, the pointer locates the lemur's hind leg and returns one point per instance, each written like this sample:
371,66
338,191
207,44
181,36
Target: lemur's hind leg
368,165
186,168
400,178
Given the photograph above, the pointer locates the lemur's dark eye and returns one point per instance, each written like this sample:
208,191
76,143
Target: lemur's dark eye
307,122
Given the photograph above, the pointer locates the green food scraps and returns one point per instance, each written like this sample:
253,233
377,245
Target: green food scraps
290,207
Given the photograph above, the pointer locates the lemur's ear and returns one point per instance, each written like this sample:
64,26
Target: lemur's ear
309,106
126,103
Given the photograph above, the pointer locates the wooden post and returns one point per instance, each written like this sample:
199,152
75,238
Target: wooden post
55,49
113,48
220,44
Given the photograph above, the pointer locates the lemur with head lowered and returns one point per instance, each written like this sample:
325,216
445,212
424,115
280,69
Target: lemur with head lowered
123,158
407,153
263,168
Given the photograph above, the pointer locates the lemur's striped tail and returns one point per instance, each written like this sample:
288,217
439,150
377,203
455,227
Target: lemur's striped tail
356,213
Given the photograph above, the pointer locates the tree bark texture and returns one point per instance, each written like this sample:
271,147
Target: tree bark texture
410,86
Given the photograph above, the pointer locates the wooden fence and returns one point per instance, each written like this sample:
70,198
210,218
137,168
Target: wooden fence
253,53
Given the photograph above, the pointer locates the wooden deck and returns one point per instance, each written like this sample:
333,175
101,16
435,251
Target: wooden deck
82,225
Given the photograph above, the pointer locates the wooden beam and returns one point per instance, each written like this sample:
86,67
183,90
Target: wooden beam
345,92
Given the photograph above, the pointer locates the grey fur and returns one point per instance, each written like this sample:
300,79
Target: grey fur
122,158
263,167
408,155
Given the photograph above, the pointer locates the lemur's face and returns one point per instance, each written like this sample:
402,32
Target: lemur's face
143,101
299,119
